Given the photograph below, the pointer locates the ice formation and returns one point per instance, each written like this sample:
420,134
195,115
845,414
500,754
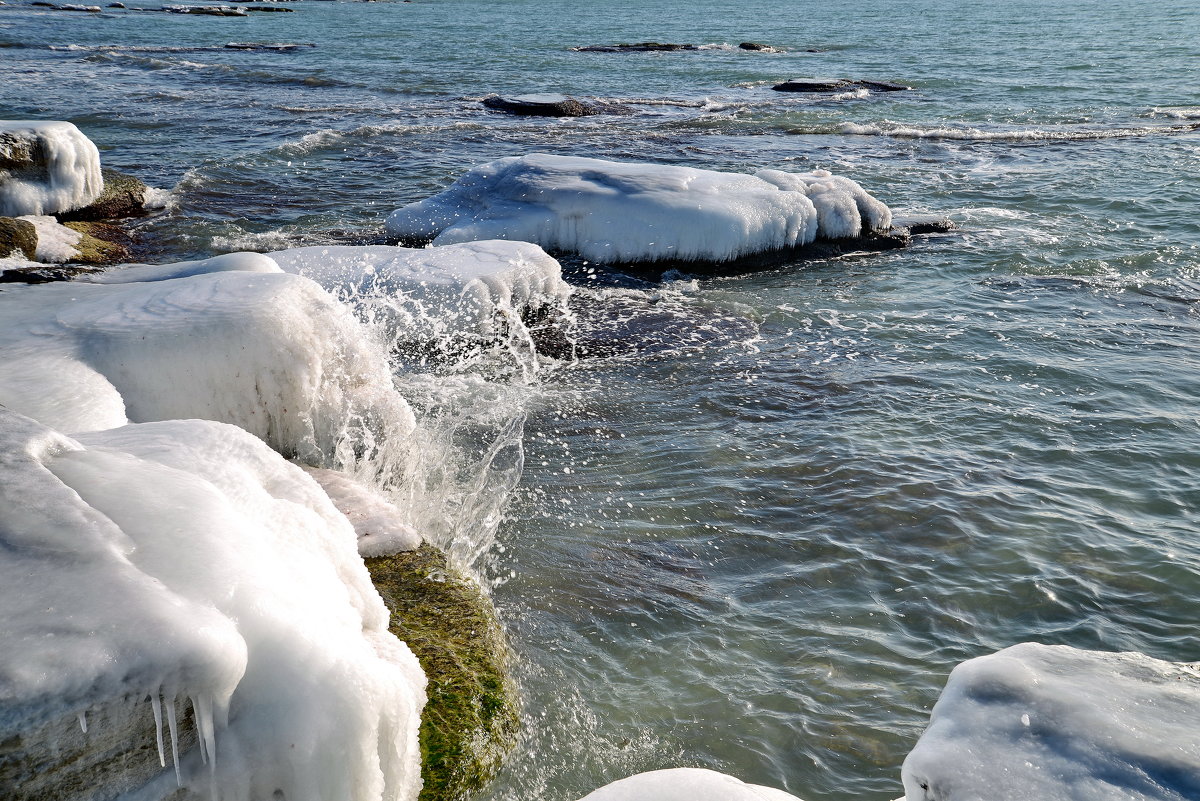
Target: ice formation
618,212
685,784
1052,723
380,526
55,241
46,168
440,293
187,559
270,352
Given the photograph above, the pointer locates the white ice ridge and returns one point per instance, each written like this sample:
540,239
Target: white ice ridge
55,241
46,168
685,784
1052,723
188,559
477,288
618,212
270,352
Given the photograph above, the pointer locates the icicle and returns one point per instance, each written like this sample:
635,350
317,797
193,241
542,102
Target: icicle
174,738
156,705
83,721
200,730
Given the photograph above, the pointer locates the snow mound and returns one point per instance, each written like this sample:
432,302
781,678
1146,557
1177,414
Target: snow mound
614,212
685,784
476,288
187,559
269,352
46,168
1052,723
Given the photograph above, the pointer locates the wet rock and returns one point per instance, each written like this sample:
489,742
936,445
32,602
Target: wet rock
17,237
798,85
101,243
123,196
116,5
270,8
638,47
470,721
551,105
210,11
41,274
927,227
758,48
77,7
282,47
836,85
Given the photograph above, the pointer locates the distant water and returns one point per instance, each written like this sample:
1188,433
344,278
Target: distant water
759,537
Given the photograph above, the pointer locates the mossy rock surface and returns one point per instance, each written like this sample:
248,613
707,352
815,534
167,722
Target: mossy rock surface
101,243
17,235
123,196
471,719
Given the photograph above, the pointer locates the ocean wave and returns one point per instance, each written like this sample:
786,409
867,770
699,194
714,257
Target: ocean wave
1176,112
968,134
269,47
331,137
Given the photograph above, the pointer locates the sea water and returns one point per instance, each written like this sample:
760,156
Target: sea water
758,532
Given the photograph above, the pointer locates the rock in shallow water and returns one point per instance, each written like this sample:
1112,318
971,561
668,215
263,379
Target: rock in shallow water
836,85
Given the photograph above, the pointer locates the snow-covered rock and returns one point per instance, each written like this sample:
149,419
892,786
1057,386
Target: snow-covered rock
618,212
187,560
270,352
1052,723
46,167
475,289
685,784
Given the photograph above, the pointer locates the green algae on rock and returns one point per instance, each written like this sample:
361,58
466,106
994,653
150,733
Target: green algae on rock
470,720
17,236
123,196
101,243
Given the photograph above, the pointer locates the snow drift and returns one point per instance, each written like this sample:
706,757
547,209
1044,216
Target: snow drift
248,345
187,559
46,168
614,212
1052,723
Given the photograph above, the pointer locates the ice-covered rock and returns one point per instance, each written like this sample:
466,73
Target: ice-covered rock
46,167
685,784
270,352
56,243
475,289
187,560
614,212
1053,723
380,526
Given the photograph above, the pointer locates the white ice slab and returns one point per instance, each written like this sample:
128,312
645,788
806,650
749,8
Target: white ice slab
1052,723
620,212
57,168
685,784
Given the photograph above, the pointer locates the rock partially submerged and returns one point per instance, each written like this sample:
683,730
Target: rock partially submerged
552,105
621,213
17,237
209,11
638,47
836,85
470,721
123,196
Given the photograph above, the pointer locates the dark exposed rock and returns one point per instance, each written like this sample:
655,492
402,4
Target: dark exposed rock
927,227
552,105
101,243
116,5
270,8
282,47
42,274
210,11
798,85
123,196
836,85
639,47
759,48
17,235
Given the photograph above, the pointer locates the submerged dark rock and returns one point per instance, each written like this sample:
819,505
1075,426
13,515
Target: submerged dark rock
281,47
836,85
638,47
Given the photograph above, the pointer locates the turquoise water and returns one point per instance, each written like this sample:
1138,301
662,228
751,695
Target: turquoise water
759,536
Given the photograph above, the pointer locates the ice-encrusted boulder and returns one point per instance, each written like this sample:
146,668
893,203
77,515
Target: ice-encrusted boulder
613,212
232,339
182,569
475,289
46,168
685,784
1053,723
